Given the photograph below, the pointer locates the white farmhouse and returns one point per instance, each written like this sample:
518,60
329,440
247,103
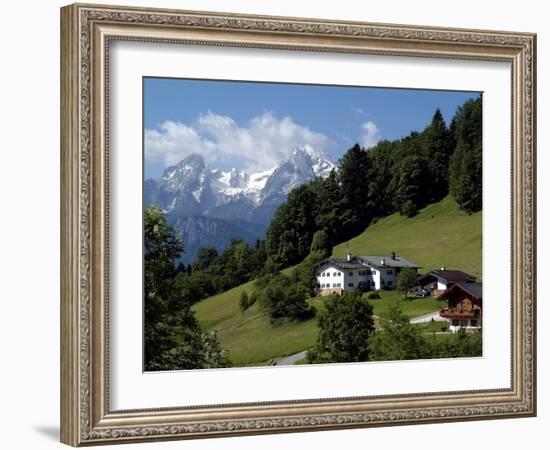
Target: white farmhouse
335,275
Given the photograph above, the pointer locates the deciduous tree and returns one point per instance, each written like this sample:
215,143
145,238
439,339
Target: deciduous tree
406,279
345,329
398,339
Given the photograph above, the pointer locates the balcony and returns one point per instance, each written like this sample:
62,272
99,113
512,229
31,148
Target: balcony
450,313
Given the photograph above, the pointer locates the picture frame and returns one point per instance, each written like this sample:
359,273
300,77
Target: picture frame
87,32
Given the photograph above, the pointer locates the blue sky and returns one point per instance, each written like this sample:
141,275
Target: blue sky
251,126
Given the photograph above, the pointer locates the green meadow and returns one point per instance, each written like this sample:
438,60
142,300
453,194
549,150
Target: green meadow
439,235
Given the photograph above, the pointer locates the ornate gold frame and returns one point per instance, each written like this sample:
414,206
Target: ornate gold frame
86,31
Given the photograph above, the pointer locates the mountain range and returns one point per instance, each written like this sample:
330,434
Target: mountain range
208,207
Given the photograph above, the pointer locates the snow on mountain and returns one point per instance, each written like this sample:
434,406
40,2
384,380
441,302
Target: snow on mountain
213,188
190,189
322,165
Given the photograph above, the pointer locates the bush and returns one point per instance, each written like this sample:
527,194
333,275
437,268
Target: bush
408,209
398,339
244,303
283,299
252,298
458,345
321,243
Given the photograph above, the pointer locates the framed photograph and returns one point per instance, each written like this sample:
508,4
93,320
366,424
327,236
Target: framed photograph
278,224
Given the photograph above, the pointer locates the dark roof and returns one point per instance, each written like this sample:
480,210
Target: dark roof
362,262
451,276
343,263
474,289
387,261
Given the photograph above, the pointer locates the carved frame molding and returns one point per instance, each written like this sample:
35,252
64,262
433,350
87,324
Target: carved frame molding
86,31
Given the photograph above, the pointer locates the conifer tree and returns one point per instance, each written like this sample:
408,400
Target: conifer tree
438,143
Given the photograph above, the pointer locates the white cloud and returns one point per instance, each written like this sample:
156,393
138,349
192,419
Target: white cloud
370,134
258,145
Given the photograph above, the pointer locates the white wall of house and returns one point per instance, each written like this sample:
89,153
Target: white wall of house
455,325
441,285
376,279
352,278
330,277
349,279
389,278
384,277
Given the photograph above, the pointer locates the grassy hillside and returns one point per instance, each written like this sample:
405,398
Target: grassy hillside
439,235
252,340
249,337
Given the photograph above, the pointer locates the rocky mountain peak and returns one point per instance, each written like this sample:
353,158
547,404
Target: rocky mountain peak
210,206
217,193
189,173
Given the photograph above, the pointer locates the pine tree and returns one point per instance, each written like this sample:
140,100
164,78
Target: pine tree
412,185
292,227
438,143
355,171
330,206
383,161
466,172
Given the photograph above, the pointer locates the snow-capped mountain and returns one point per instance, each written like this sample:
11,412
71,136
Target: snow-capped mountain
190,186
191,189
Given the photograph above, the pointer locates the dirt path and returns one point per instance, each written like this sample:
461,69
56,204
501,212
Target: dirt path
428,318
292,359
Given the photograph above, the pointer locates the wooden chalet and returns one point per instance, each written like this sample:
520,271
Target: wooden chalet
438,281
464,304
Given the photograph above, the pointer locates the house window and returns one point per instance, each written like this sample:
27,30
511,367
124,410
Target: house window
350,284
390,272
335,274
390,283
339,285
473,323
350,274
454,322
